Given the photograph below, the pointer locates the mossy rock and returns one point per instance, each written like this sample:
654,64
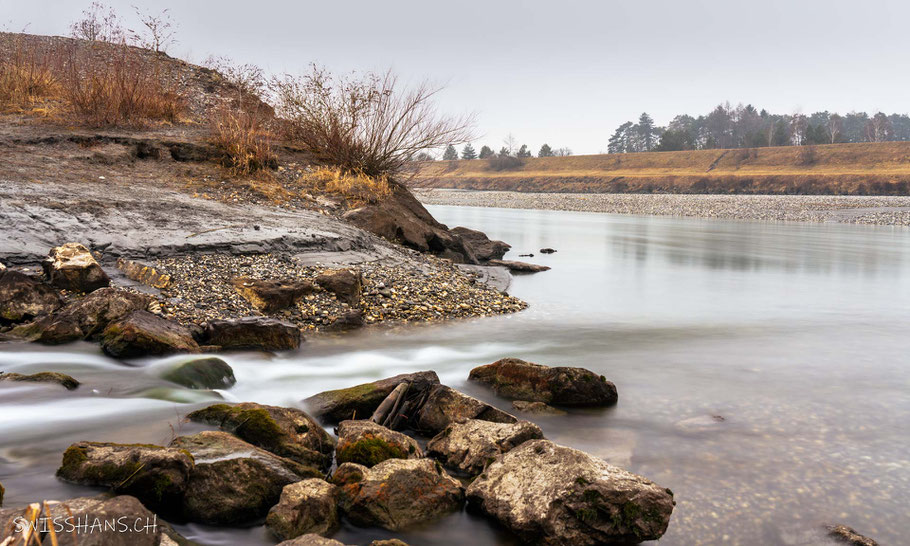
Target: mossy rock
368,444
202,373
360,401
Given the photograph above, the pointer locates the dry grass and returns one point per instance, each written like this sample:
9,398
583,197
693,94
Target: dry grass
245,140
355,187
26,80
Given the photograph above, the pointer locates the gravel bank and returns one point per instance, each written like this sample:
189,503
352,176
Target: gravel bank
800,208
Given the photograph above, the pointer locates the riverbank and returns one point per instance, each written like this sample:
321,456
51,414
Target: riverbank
875,210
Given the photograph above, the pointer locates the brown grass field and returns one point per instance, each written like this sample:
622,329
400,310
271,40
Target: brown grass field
881,168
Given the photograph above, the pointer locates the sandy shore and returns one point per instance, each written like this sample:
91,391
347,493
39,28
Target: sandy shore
800,208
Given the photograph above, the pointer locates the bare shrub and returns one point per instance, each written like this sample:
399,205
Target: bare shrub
248,78
27,77
98,23
245,140
806,155
504,163
158,31
354,186
365,124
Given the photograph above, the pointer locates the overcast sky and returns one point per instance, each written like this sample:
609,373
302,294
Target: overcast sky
562,72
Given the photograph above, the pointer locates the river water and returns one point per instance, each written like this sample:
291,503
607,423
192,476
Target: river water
762,372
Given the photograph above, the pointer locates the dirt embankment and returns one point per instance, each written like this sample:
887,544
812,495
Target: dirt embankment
839,169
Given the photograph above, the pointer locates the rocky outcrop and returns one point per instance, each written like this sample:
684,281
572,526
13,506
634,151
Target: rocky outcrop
558,495
362,400
142,333
308,506
562,386
483,247
140,527
252,333
23,297
155,475
61,379
396,493
234,482
366,443
202,373
445,405
287,432
346,284
519,267
470,446
72,267
270,296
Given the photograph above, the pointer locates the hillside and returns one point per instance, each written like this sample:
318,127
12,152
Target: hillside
847,169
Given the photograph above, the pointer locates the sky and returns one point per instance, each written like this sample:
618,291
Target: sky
566,73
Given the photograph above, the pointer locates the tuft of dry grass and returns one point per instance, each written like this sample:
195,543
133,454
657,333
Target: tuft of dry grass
27,79
353,186
245,140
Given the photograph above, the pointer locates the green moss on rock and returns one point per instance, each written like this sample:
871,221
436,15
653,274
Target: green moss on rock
370,450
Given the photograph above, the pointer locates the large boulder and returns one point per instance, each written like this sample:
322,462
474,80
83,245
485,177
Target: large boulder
155,475
396,493
123,521
23,297
445,405
470,446
72,267
84,318
557,495
252,333
287,432
562,386
366,443
484,248
270,296
362,400
346,284
202,373
142,333
308,506
66,381
233,481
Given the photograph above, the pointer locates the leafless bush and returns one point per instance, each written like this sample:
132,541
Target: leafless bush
364,124
245,140
158,30
504,163
27,76
806,155
248,78
99,23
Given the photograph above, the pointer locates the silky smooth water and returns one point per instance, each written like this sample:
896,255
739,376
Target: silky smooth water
762,372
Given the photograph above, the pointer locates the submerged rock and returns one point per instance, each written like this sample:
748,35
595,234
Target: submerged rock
848,535
366,443
346,284
536,408
396,493
72,267
202,373
234,482
270,296
483,247
445,405
142,333
252,333
23,297
557,495
155,475
308,506
43,377
563,386
362,400
287,432
470,446
519,267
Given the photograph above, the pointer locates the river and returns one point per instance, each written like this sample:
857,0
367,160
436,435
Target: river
762,372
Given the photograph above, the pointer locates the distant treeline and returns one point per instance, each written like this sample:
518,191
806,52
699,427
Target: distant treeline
747,127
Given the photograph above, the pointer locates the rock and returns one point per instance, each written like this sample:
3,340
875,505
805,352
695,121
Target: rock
85,318
346,284
202,373
311,540
849,536
557,495
484,249
362,400
133,524
350,320
155,475
536,408
308,506
470,446
2,490
366,443
142,333
389,542
563,386
286,432
547,251
445,405
25,298
270,296
396,493
519,267
43,377
233,481
252,333
700,423
72,267
143,273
